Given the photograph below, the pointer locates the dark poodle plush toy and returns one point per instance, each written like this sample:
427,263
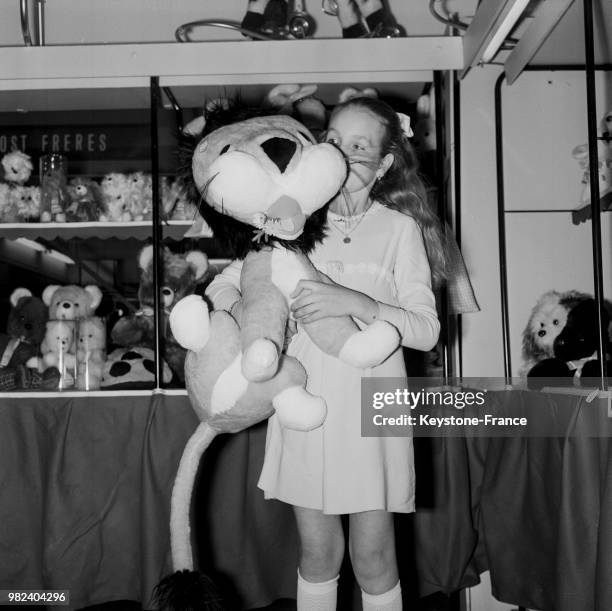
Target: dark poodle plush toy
262,183
563,331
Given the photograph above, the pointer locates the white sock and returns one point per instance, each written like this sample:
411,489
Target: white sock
316,596
387,601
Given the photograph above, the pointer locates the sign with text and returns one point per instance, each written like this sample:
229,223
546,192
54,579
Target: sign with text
94,143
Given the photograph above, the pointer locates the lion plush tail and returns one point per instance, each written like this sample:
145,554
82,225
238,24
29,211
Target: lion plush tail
187,589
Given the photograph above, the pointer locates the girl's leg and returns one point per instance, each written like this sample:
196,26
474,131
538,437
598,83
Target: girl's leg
372,550
321,553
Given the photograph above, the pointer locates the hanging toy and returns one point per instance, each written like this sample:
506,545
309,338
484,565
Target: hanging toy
604,171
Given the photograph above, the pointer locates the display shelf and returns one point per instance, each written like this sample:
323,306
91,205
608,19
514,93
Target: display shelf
307,60
49,231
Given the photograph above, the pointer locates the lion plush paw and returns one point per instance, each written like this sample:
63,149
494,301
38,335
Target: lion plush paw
299,410
371,346
260,360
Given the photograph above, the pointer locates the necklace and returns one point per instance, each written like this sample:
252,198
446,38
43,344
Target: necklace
347,234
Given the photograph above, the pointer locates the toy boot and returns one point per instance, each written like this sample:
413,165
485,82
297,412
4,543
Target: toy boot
271,21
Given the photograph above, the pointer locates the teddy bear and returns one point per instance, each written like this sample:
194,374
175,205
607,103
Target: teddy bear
264,182
27,203
115,198
71,301
85,200
140,196
58,351
20,345
90,352
561,339
67,304
17,167
180,275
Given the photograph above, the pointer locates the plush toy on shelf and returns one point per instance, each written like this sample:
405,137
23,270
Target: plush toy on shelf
181,275
132,368
9,210
264,182
58,353
561,339
115,198
17,167
140,196
604,172
85,200
27,201
299,102
348,93
54,195
175,205
71,301
18,203
90,352
424,139
20,361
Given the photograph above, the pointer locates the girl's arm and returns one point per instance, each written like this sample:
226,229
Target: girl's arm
224,290
415,317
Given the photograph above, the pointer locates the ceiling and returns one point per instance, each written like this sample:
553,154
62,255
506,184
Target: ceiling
565,45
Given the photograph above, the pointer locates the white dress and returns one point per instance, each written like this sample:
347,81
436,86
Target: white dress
334,468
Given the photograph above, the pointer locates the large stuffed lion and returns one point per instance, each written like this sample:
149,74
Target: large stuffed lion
262,183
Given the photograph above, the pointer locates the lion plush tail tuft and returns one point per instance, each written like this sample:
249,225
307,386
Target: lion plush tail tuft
187,591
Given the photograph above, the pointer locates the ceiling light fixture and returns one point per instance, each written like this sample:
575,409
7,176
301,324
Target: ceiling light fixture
492,23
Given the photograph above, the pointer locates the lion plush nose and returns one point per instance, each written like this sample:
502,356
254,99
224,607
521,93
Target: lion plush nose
280,151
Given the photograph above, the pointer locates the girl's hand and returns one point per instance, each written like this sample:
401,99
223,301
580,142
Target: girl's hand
315,300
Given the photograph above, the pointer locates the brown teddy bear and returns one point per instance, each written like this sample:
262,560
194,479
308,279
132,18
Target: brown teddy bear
20,345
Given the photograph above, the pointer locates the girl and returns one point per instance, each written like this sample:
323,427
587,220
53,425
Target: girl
382,248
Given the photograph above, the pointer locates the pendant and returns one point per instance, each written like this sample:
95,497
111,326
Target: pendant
347,240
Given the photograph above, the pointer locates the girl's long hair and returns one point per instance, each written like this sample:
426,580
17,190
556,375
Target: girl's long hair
402,188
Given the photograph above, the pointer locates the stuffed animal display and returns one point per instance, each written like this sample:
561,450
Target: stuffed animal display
67,305
180,275
20,346
561,339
